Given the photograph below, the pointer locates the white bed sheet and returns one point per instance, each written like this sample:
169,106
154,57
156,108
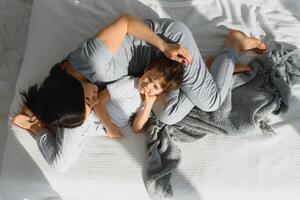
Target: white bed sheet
245,167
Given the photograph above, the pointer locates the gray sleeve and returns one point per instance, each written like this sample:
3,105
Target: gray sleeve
176,108
205,90
62,151
91,56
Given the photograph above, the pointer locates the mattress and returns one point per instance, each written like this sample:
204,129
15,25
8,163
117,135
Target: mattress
253,166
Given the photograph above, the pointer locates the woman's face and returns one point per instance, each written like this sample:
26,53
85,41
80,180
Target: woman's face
150,85
90,96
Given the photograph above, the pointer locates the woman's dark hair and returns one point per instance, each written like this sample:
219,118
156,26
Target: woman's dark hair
59,101
171,71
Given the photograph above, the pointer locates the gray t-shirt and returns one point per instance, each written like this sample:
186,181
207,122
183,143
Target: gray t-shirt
125,100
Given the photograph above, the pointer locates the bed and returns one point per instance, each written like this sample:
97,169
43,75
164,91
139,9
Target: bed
253,166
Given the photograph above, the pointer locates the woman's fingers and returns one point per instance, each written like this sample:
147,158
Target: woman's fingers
178,53
22,121
184,53
179,59
21,118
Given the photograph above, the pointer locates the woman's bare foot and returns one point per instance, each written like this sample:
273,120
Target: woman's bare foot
239,41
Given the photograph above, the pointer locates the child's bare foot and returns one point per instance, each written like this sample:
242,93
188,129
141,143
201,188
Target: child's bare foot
114,132
239,41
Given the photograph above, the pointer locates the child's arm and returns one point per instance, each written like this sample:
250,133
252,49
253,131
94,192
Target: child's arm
113,131
142,117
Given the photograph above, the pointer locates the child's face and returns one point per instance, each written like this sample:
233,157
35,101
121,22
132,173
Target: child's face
150,85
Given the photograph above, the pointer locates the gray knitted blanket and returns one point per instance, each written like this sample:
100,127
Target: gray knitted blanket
253,97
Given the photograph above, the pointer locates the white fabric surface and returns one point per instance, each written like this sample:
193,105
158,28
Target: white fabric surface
246,167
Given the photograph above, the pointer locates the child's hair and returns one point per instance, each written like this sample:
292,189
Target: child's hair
171,71
59,101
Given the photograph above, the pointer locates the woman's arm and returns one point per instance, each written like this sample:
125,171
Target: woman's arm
113,35
26,120
60,150
75,74
112,130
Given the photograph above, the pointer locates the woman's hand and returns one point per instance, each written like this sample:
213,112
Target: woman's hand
177,52
114,132
30,123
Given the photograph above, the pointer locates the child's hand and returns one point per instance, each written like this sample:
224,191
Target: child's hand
149,100
114,132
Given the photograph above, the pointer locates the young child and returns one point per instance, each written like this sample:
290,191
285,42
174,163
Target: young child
132,97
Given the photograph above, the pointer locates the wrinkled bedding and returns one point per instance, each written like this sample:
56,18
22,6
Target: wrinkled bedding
254,97
246,167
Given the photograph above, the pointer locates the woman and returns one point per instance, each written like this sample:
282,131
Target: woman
117,51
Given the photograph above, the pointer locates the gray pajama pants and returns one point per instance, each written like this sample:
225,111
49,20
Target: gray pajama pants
180,105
